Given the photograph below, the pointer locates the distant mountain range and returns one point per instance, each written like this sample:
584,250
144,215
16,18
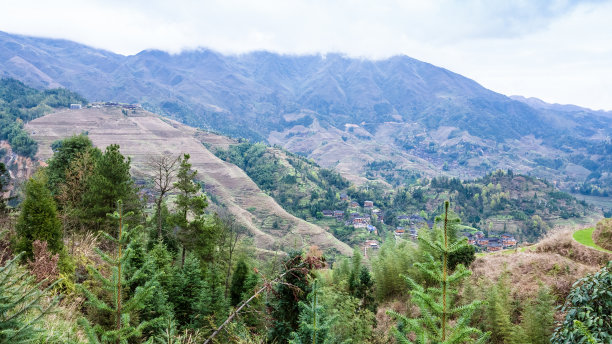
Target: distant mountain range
343,112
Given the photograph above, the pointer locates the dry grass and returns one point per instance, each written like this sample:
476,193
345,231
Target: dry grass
603,234
384,322
563,244
557,261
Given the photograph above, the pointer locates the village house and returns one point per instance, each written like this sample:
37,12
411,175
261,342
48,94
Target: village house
372,229
399,233
361,222
494,244
471,238
75,106
368,204
479,235
414,234
494,247
328,213
416,219
482,241
354,204
508,241
371,244
338,214
344,197
403,217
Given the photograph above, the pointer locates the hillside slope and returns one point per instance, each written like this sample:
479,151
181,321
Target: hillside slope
343,112
143,134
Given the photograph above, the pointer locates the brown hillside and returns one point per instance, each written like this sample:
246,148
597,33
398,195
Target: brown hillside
557,261
143,134
603,234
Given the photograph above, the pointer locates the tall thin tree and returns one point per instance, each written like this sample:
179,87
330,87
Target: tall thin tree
164,167
435,303
119,306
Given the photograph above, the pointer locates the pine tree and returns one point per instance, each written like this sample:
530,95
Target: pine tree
109,182
285,304
120,307
38,219
498,312
539,317
189,293
20,304
435,303
64,153
188,203
314,324
239,278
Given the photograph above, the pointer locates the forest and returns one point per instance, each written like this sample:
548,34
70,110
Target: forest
20,103
90,257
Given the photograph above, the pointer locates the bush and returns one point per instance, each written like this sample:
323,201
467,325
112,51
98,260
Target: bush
589,303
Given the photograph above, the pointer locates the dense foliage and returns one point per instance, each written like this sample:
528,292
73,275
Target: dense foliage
589,304
20,103
297,184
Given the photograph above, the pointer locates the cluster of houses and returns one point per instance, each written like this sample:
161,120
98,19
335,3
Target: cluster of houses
356,219
491,244
410,229
478,239
113,104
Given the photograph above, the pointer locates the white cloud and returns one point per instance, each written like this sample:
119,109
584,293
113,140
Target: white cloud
557,50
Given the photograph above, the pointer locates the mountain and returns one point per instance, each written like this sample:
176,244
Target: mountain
141,135
345,113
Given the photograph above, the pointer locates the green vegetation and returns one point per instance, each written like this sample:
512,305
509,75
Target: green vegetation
297,184
20,103
436,300
585,237
588,310
21,310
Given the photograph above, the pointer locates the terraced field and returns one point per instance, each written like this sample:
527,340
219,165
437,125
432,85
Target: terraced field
143,134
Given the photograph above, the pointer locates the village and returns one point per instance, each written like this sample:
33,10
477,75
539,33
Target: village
362,216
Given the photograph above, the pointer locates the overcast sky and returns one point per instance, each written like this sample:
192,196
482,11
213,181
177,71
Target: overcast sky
559,51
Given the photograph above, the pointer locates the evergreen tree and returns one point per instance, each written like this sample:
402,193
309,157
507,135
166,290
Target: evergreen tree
110,182
435,303
498,312
365,290
20,304
189,293
237,289
285,304
64,153
538,318
314,323
38,218
119,308
188,203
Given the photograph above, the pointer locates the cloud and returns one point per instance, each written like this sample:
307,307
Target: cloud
558,50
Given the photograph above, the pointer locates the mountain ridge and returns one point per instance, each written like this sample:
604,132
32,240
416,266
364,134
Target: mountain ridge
343,112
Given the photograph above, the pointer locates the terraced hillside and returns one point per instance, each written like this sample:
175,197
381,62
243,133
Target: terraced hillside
142,134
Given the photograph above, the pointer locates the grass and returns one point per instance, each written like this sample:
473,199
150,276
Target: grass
585,237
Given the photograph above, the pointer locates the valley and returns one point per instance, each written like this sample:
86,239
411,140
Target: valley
142,135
